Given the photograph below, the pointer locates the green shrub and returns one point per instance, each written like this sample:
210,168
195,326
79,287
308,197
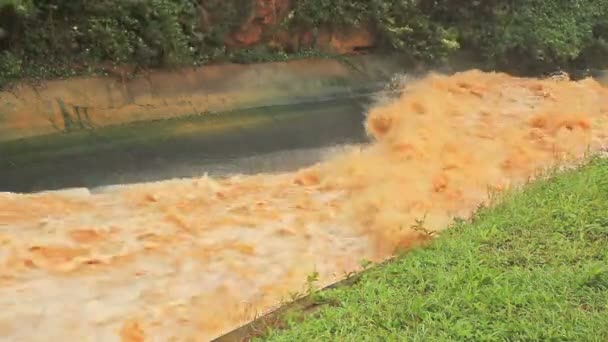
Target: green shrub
50,38
143,32
20,6
401,25
10,66
530,34
545,32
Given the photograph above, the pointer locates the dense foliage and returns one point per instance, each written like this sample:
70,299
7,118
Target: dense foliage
401,25
530,33
50,38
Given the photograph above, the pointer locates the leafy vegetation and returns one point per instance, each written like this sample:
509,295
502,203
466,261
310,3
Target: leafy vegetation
533,268
400,25
53,38
531,34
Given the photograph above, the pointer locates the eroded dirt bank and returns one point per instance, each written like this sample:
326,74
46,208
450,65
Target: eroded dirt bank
191,259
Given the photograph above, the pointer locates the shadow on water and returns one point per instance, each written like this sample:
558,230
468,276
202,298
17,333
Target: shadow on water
270,139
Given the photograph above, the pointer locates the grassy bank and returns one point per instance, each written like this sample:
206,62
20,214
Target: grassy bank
533,268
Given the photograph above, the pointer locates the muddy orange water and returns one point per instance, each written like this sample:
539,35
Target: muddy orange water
190,259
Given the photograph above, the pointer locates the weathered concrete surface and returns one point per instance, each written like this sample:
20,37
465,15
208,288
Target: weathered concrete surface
90,102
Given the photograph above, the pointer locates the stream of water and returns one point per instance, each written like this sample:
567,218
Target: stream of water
190,259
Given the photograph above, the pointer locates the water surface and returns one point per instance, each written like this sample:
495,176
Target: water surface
271,139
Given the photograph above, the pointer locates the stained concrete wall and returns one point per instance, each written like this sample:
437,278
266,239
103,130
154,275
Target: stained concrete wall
28,110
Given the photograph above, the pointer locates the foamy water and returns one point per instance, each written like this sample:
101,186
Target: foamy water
191,259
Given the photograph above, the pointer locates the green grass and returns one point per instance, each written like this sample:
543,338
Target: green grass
532,268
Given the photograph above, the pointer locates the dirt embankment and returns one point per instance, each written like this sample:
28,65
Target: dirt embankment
191,259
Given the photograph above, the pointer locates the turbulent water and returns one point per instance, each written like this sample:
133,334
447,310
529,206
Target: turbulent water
190,259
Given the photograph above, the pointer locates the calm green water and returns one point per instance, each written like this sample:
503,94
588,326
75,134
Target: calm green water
269,139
